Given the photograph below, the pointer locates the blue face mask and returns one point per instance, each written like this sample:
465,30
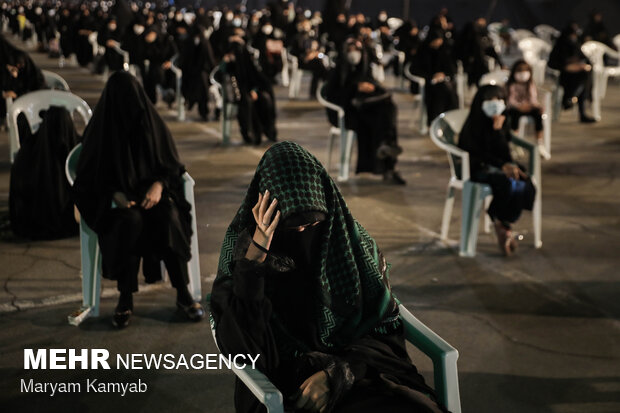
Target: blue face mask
493,107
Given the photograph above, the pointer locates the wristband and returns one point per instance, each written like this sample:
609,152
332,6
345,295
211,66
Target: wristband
260,247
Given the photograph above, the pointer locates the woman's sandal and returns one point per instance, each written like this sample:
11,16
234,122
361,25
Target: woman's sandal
121,318
194,311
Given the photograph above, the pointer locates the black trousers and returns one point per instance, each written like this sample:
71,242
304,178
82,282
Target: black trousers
578,84
506,205
257,117
319,72
135,233
515,115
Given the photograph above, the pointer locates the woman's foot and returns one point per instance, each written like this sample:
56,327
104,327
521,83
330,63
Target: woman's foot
503,237
123,310
542,150
393,177
193,311
388,151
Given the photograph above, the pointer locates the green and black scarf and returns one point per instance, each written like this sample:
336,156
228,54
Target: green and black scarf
354,294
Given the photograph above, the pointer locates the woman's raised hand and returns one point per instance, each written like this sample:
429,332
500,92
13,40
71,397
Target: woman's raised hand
266,224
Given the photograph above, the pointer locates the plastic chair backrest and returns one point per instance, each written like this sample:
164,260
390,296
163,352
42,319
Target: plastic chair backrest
394,23
595,52
444,133
498,77
546,32
323,101
55,81
522,34
31,104
616,41
534,48
71,163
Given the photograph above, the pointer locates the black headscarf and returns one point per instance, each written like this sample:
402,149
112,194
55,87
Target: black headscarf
126,147
40,202
485,145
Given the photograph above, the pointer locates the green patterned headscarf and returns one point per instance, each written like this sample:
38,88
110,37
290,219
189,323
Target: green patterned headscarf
355,297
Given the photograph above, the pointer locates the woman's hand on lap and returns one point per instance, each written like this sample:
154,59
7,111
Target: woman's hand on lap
153,196
314,393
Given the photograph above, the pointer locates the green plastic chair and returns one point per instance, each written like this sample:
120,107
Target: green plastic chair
419,98
475,195
91,254
442,354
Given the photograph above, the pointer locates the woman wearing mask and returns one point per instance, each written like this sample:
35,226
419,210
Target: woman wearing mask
486,137
369,111
301,283
129,158
523,101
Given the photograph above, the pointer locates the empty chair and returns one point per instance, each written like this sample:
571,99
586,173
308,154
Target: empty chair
91,254
31,104
444,133
419,98
595,52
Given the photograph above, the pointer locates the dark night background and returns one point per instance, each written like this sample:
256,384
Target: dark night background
522,13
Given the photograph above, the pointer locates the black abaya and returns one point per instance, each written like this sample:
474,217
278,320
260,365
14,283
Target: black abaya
126,148
39,199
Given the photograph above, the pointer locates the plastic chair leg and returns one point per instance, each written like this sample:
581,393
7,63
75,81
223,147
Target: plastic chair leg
333,132
91,275
487,218
473,197
447,213
346,146
226,123
194,263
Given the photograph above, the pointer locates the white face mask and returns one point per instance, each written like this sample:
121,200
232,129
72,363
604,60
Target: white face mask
237,22
268,30
493,107
38,11
522,76
196,41
354,57
138,30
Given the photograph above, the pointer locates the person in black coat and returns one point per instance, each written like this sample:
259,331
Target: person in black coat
129,158
159,50
109,37
575,70
474,47
486,137
369,111
435,64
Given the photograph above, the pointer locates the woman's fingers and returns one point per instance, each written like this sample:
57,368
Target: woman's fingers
269,212
263,206
274,223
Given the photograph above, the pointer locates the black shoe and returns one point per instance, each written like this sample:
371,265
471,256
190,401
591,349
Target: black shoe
194,311
121,318
586,119
389,151
393,178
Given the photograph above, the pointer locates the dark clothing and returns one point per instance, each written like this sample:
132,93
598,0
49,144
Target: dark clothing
111,58
157,53
473,47
39,198
514,115
440,96
371,115
196,62
126,148
320,301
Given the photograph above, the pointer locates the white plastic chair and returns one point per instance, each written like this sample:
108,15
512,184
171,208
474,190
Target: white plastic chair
419,98
347,136
461,83
55,81
536,54
497,77
91,254
180,99
596,51
31,104
547,33
442,354
520,34
444,132
229,109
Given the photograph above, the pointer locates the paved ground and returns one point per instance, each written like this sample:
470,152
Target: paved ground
537,333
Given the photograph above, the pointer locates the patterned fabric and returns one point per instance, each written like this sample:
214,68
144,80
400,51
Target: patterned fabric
355,297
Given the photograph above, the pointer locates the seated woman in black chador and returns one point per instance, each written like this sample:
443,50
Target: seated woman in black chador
486,136
129,158
245,85
575,70
369,111
40,202
301,283
435,64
